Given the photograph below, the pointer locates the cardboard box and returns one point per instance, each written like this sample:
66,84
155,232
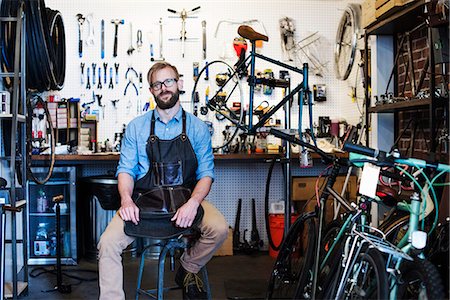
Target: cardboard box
388,7
303,189
368,13
227,246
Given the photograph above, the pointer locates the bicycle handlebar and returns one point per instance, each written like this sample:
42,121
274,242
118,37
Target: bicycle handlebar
375,153
362,153
294,140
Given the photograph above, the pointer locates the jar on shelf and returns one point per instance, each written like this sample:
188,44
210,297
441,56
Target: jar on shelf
41,202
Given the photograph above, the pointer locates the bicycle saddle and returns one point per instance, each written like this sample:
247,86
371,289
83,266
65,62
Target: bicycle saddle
248,33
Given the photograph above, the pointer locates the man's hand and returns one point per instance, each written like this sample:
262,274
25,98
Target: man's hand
129,211
185,215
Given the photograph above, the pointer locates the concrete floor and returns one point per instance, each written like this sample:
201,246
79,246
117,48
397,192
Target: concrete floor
236,277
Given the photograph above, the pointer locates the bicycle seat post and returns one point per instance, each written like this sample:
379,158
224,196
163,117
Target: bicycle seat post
252,85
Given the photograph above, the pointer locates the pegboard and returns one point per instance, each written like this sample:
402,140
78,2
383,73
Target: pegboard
309,16
248,181
233,180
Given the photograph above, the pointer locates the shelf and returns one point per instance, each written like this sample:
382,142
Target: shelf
400,21
49,214
20,118
399,106
21,287
8,74
51,260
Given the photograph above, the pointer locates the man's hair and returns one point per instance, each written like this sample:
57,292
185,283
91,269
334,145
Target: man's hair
159,66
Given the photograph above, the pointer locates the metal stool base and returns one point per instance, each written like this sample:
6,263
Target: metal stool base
169,246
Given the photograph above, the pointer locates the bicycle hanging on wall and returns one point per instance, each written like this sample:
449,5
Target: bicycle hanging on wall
227,103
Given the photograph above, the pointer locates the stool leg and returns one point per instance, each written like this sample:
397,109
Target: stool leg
206,282
141,271
161,262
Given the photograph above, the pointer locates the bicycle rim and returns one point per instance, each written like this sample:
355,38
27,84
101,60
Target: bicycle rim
292,270
224,108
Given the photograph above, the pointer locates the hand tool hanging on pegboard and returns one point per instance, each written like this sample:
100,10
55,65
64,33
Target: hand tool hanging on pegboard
116,23
183,15
81,20
102,39
131,48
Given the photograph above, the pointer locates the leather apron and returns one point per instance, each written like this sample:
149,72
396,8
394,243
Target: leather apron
172,162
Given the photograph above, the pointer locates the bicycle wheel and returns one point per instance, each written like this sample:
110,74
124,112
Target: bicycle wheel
420,280
217,99
293,267
329,268
368,278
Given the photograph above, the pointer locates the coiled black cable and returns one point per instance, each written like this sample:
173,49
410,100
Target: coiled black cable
45,38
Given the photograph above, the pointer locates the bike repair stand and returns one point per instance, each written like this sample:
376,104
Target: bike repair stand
249,288
60,287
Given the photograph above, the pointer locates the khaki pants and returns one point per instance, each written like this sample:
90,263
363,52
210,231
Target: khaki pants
213,228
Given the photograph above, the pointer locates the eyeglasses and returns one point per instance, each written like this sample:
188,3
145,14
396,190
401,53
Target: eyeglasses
167,83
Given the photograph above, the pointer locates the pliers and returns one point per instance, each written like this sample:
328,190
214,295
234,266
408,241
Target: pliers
135,88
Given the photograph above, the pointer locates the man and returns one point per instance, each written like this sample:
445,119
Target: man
169,125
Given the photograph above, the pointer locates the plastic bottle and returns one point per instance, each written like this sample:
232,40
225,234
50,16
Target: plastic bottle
42,203
42,244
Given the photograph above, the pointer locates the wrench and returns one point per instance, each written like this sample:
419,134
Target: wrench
111,85
81,20
82,73
105,67
131,48
88,84
90,38
99,85
116,66
94,65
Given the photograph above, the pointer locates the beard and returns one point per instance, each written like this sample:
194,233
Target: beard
169,103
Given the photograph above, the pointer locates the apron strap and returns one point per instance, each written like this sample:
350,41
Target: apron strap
183,133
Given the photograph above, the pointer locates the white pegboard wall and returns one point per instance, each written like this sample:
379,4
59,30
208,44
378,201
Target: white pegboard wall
309,16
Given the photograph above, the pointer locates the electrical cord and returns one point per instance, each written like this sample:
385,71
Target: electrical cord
29,140
41,270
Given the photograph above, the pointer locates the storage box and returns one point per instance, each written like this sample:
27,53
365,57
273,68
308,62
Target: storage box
227,246
388,7
303,189
368,13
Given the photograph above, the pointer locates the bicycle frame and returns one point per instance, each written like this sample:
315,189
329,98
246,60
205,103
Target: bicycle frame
250,60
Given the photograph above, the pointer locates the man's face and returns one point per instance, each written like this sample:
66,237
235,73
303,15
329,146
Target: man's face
165,89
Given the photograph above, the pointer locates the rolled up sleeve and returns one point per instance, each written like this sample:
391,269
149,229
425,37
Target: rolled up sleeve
204,153
128,162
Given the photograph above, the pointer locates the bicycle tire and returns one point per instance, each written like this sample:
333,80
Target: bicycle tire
370,267
218,111
293,266
420,280
326,273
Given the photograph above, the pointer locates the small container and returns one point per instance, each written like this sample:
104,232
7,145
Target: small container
42,203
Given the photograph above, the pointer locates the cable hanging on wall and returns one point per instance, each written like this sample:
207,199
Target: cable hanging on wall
46,51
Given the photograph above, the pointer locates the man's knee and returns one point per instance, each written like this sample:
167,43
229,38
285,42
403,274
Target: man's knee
110,244
217,231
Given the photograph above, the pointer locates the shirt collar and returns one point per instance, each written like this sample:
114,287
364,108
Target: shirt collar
177,116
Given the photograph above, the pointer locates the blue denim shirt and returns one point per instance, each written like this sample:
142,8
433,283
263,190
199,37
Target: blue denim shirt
133,156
